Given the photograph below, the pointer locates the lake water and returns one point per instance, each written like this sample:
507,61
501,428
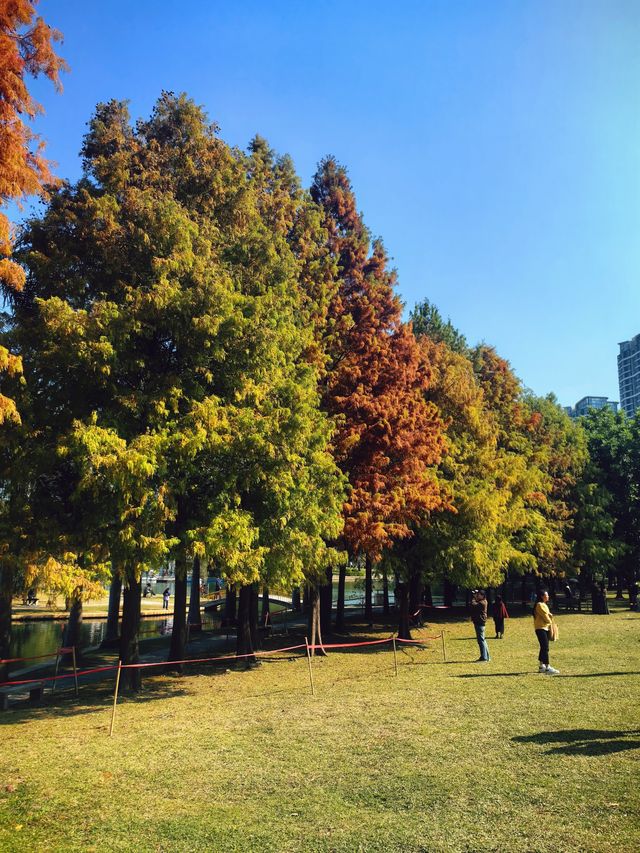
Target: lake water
29,639
44,637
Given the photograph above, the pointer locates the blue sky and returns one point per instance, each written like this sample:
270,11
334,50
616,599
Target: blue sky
493,145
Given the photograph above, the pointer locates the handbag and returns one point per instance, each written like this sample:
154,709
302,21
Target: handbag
553,631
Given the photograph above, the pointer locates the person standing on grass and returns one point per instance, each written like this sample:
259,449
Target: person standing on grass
479,619
543,620
499,615
165,599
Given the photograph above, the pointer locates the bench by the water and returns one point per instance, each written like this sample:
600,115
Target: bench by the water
35,690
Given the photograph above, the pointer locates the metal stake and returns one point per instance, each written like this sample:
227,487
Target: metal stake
313,692
115,698
75,668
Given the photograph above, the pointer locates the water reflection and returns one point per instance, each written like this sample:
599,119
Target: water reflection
29,639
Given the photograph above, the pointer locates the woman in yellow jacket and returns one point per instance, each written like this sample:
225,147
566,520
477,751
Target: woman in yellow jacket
542,620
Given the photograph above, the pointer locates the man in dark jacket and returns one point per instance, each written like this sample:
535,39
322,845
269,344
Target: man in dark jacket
479,619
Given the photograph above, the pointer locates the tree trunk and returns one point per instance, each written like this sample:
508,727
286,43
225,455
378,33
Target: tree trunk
402,603
342,577
620,585
315,622
113,617
326,603
368,590
427,595
296,600
194,618
6,597
71,635
129,648
449,593
179,630
253,625
415,591
244,646
229,617
265,616
385,593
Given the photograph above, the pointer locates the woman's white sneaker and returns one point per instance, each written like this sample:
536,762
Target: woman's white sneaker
542,669
552,671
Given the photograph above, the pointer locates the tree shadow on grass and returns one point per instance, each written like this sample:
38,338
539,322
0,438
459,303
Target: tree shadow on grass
531,672
492,674
93,699
598,674
584,741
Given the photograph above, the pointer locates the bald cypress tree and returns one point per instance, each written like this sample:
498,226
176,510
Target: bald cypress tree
186,399
388,436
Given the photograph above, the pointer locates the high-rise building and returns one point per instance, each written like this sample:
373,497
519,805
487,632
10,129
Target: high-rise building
629,374
586,403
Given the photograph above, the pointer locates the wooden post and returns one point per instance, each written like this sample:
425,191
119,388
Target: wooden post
53,686
444,651
395,656
75,668
115,698
313,692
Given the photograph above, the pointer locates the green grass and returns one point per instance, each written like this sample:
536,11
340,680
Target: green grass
452,756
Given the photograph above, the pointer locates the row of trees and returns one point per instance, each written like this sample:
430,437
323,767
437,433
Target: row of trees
204,360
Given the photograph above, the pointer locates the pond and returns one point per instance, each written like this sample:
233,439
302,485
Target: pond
29,639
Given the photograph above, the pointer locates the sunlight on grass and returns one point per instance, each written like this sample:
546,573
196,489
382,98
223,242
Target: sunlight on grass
446,756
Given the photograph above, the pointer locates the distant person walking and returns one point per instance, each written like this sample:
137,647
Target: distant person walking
543,621
165,599
499,615
479,619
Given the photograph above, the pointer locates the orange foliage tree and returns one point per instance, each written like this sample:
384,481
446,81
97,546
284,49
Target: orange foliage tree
26,48
388,437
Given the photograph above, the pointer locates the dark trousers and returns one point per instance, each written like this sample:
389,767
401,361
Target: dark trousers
543,639
499,623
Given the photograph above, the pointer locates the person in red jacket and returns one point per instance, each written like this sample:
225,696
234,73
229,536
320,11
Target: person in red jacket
499,615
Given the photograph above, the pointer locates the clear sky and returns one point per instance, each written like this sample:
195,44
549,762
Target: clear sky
494,145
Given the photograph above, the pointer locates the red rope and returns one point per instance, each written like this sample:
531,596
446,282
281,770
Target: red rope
207,660
418,642
58,677
351,645
37,657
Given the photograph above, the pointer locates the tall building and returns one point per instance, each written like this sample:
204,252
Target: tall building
629,374
583,406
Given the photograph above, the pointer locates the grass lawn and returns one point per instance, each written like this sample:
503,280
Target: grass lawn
455,756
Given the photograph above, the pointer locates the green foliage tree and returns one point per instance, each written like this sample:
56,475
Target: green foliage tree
606,539
427,321
172,361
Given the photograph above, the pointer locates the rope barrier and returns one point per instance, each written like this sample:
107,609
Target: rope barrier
208,660
155,664
418,642
57,677
60,651
351,645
